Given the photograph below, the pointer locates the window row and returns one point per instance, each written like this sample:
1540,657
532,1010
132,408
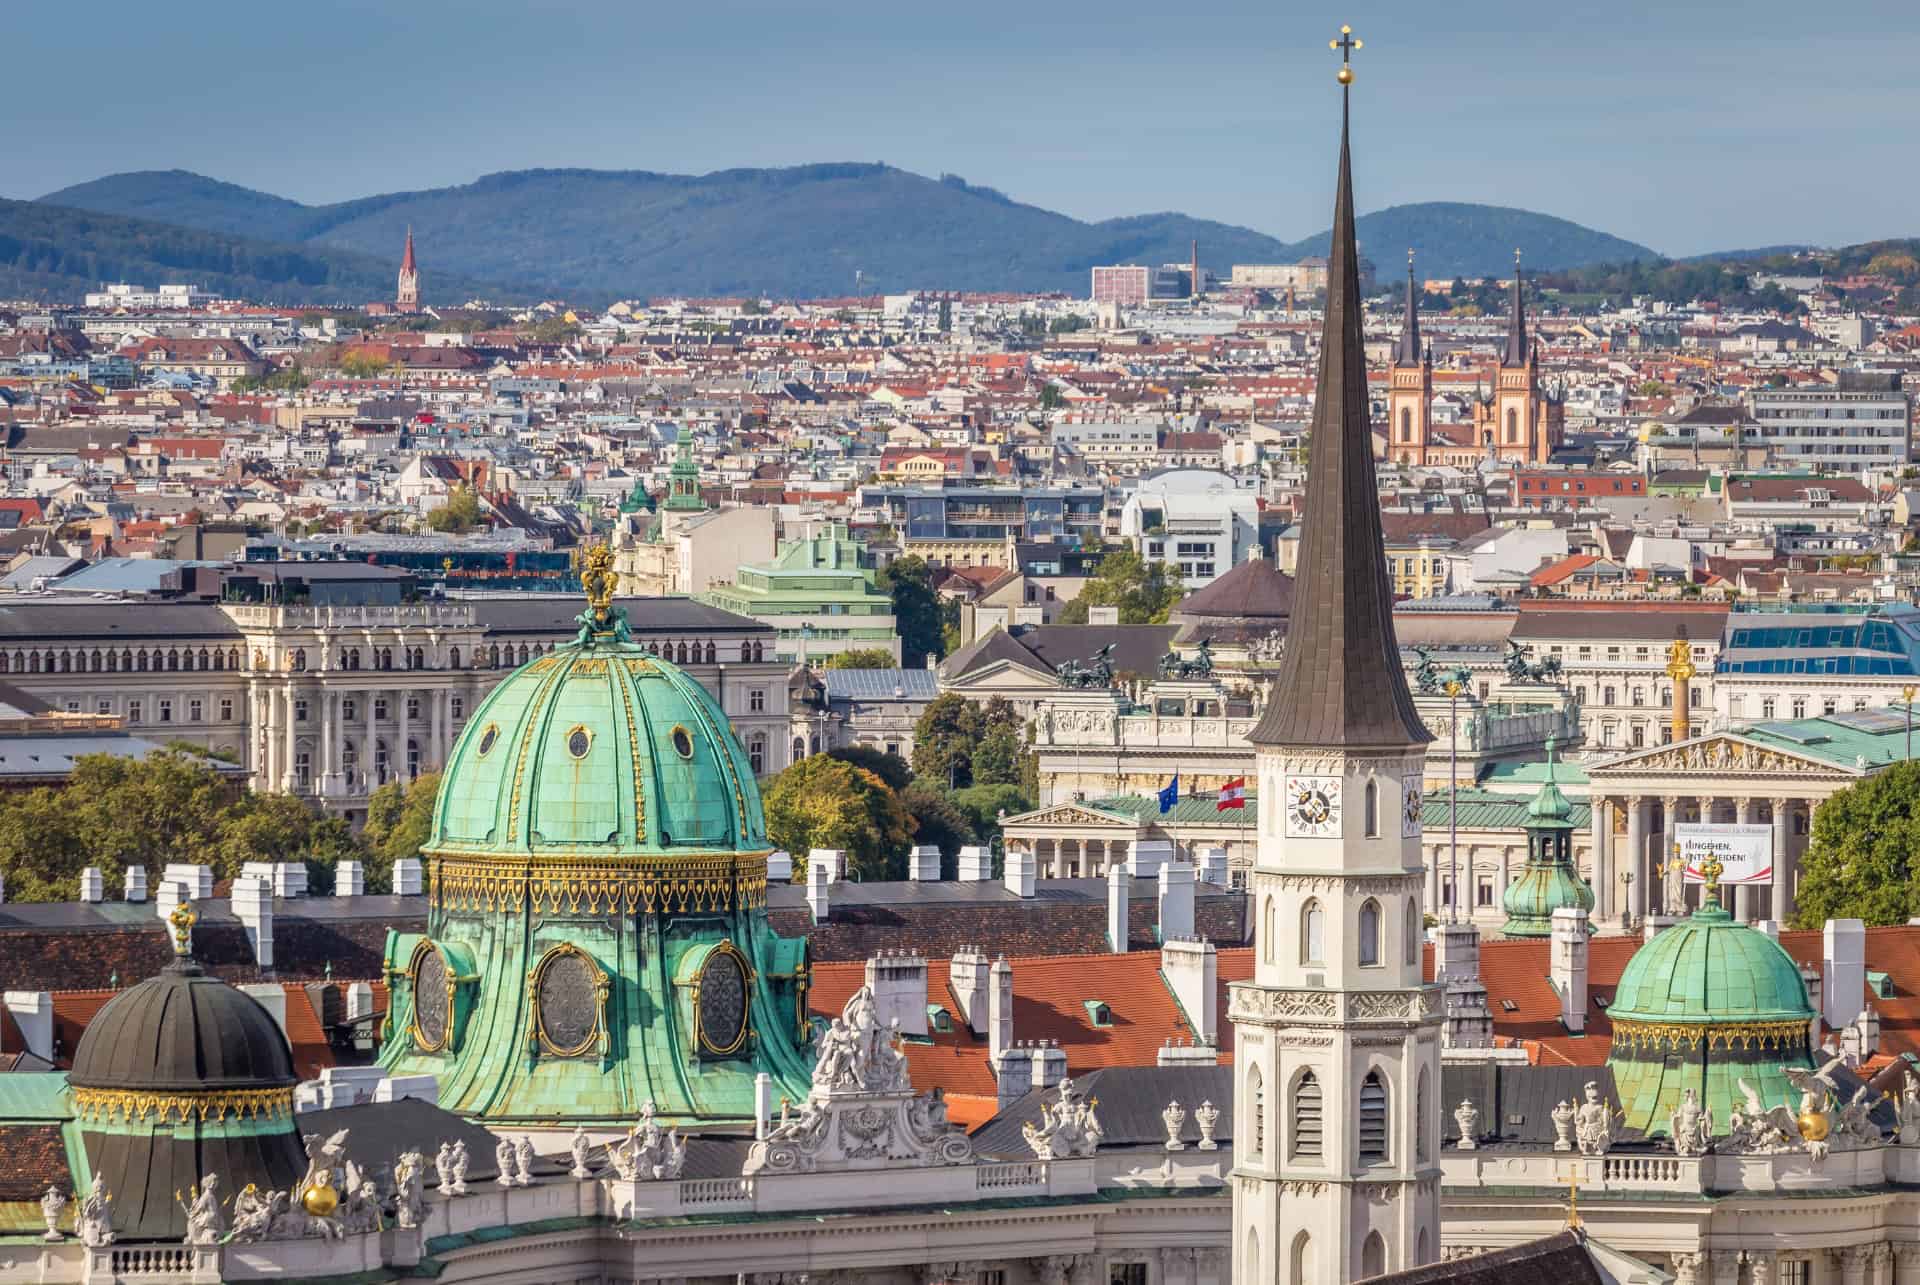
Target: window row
1368,923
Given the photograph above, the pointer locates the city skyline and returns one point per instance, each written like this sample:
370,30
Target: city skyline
1093,112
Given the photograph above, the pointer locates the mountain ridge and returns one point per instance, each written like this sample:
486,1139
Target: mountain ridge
797,231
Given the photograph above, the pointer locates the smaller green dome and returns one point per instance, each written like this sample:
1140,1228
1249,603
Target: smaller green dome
1705,1005
1549,882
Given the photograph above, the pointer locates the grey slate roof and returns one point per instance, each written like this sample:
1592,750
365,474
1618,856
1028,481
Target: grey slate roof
33,621
1340,683
554,613
1131,1100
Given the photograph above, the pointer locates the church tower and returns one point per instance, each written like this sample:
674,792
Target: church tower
1410,387
406,296
1516,384
1337,1038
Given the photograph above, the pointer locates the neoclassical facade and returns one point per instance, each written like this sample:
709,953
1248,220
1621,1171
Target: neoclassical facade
330,702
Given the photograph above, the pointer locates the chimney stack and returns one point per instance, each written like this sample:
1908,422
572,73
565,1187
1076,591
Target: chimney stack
1213,867
1020,869
1119,888
349,879
1843,972
923,866
195,880
253,907
93,886
819,879
899,985
831,860
780,867
33,1013
406,877
1000,1011
1176,900
1568,966
136,885
976,864
1191,968
1149,855
968,974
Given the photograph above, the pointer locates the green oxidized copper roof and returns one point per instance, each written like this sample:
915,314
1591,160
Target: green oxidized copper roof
1549,882
598,747
1704,1005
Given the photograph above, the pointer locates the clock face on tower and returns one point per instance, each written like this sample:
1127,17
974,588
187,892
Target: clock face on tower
1313,806
1410,799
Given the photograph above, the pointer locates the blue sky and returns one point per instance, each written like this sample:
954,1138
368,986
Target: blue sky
1688,127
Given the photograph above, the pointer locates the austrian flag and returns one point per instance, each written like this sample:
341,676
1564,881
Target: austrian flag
1233,794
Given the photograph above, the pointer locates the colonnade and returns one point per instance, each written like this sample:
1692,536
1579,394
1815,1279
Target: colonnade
1633,837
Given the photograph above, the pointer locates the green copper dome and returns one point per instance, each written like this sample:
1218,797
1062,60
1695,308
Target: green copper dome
598,748
1705,1004
597,935
1550,882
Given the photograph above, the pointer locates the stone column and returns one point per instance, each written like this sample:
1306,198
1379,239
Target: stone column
1906,1264
1176,1266
1782,880
1686,1268
1760,1267
329,774
1853,1261
1724,1265
1637,854
293,731
1603,858
436,725
1743,894
366,758
1669,811
406,730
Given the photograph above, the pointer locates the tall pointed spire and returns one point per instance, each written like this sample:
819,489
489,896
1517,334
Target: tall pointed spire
1340,684
1516,353
406,259
1408,353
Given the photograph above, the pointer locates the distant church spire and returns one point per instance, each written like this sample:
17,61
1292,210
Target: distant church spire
406,296
1340,683
1408,353
1516,353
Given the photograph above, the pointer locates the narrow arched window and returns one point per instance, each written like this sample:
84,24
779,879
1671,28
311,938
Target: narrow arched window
1313,934
1270,932
1373,1256
1413,932
1252,1265
1373,809
1369,932
1302,1273
1513,425
1406,424
1257,1110
1421,1147
1306,1124
1373,1121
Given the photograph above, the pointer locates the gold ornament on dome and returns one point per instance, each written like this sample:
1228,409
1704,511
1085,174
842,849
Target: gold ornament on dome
1814,1125
1630,1034
684,885
183,918
130,1105
1345,45
598,578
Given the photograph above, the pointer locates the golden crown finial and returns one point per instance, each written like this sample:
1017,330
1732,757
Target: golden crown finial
183,918
598,578
1346,44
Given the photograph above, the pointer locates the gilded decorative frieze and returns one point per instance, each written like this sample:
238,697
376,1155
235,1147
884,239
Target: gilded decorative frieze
135,1105
654,885
1629,1034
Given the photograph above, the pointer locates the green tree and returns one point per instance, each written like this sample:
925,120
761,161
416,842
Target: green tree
1863,860
555,330
983,805
1145,592
357,363
399,819
908,582
1051,398
822,802
861,658
938,821
890,768
944,739
996,761
280,827
460,513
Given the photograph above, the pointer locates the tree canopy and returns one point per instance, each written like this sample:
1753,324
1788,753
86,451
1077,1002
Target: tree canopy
460,513
957,743
861,658
1145,592
1863,860
171,806
825,802
916,609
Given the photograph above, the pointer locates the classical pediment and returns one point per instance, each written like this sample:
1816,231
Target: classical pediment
1078,815
1721,754
1003,675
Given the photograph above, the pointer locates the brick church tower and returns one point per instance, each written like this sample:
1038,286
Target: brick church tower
406,297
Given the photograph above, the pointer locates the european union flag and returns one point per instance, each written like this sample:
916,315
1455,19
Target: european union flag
1170,795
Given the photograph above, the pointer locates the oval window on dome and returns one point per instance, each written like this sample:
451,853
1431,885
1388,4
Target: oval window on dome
579,741
567,996
682,742
487,738
720,1002
431,995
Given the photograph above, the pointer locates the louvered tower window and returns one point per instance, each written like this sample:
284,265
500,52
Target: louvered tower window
1373,1120
1306,1118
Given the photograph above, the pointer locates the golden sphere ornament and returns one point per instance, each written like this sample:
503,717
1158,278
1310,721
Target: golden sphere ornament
1345,75
320,1199
1814,1126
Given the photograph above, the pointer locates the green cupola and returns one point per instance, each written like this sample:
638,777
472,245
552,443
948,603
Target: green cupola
597,882
1550,882
1706,1004
683,481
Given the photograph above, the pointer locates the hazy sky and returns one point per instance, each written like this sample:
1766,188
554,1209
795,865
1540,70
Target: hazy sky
1686,126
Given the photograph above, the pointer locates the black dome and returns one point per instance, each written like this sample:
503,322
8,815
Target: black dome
182,1031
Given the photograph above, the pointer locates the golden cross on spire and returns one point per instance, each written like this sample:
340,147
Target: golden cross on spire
1710,872
1346,45
1573,1198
